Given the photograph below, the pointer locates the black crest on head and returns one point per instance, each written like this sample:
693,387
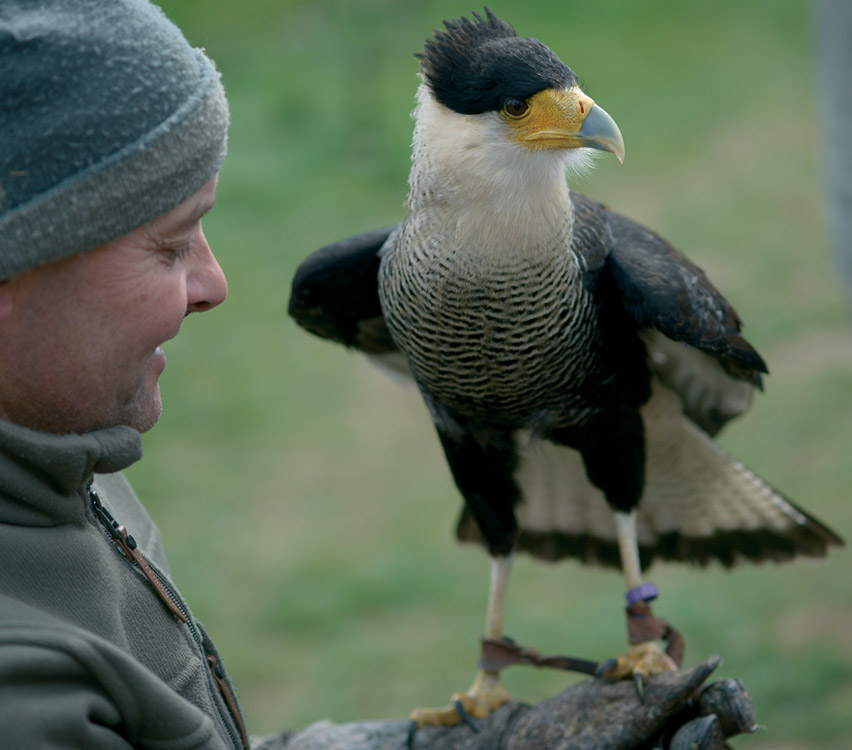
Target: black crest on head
475,65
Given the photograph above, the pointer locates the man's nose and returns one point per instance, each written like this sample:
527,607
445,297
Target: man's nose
206,282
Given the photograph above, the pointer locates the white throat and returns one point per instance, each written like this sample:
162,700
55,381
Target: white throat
471,172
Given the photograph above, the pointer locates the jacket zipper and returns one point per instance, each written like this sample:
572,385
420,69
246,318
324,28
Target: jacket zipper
127,544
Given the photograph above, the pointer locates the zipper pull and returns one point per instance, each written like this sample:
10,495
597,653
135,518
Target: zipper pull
127,544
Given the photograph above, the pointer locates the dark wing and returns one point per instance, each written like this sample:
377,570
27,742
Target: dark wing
693,335
335,293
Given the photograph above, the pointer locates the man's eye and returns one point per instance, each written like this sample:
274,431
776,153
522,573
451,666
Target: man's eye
176,252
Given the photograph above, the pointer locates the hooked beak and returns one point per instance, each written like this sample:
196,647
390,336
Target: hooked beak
600,131
569,119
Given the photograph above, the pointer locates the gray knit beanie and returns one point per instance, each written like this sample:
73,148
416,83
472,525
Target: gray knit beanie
108,119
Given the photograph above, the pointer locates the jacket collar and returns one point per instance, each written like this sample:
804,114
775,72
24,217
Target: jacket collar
35,466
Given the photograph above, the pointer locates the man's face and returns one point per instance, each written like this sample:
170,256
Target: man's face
80,339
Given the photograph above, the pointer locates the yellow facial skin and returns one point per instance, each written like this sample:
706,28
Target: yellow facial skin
562,118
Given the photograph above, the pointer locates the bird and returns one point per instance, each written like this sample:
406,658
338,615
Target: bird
576,366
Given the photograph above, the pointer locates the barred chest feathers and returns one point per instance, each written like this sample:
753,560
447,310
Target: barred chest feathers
481,292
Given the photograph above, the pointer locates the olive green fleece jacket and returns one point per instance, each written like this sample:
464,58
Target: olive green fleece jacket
90,655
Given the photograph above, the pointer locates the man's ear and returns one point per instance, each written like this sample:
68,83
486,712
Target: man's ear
5,299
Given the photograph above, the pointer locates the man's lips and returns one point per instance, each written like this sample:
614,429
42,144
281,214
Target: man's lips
159,357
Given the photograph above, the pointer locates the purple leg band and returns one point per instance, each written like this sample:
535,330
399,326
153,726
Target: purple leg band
644,593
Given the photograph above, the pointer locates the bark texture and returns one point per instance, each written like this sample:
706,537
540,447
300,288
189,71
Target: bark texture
676,712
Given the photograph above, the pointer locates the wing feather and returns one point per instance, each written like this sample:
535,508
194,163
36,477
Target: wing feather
691,332
335,293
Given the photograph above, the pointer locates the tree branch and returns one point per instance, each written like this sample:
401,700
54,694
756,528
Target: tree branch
674,713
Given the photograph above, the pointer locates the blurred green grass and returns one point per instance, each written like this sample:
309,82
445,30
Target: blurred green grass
304,501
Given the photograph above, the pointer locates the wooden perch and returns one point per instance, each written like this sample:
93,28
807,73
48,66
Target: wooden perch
674,713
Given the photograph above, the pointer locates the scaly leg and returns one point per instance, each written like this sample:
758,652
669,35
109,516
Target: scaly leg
628,547
645,656
500,569
487,693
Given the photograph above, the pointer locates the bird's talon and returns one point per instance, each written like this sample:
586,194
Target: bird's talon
464,715
413,726
639,684
641,660
605,667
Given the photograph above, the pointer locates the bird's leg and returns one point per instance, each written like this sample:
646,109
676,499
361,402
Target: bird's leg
628,548
644,655
487,692
500,569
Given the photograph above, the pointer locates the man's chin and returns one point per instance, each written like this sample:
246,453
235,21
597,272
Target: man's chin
144,413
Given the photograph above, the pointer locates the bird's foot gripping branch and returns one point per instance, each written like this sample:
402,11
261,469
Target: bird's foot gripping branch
644,656
488,694
483,698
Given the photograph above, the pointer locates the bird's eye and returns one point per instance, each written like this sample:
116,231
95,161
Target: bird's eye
515,107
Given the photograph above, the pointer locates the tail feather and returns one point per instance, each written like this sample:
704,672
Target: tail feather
700,504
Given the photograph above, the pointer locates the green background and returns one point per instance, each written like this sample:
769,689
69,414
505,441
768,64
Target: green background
304,501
